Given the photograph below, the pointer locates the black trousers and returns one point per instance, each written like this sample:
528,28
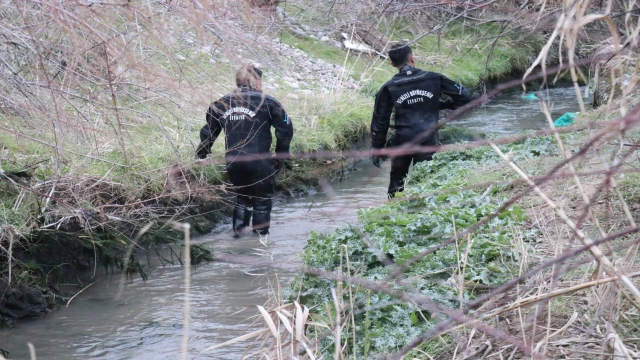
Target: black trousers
400,169
253,183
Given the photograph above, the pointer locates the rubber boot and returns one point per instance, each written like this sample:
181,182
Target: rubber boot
241,219
399,170
262,216
395,185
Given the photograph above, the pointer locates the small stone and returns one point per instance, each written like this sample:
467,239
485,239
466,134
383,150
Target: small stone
180,57
299,33
324,39
305,27
293,96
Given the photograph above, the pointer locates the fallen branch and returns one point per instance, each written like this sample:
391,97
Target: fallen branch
78,293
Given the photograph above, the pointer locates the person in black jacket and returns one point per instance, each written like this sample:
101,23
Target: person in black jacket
415,95
247,116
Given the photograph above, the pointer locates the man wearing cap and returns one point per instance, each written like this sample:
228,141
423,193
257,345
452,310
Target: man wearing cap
415,95
247,115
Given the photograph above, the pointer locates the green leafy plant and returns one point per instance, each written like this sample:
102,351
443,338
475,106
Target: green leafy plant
432,209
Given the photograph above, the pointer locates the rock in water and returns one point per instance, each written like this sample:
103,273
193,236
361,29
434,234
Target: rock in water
19,302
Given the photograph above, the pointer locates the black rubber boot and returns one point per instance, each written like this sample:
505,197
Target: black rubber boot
395,185
262,216
399,170
241,218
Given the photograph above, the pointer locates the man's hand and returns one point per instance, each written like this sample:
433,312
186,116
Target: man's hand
447,104
277,163
376,160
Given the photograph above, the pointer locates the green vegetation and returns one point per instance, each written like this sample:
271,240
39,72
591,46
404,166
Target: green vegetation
431,210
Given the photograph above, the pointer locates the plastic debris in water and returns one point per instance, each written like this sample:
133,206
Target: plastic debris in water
531,96
566,119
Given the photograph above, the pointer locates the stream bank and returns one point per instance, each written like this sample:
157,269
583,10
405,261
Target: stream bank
145,322
96,241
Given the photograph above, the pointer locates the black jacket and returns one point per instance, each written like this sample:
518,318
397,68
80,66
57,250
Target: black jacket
246,117
415,95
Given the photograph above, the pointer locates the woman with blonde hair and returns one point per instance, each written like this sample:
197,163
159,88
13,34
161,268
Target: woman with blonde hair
246,116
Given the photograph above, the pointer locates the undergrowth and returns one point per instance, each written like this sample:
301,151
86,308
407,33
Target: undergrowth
431,209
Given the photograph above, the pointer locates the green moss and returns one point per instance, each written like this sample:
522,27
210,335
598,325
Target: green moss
199,254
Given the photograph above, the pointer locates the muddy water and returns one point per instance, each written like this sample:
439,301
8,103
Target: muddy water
146,320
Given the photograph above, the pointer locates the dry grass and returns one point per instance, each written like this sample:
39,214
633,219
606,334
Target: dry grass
282,334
